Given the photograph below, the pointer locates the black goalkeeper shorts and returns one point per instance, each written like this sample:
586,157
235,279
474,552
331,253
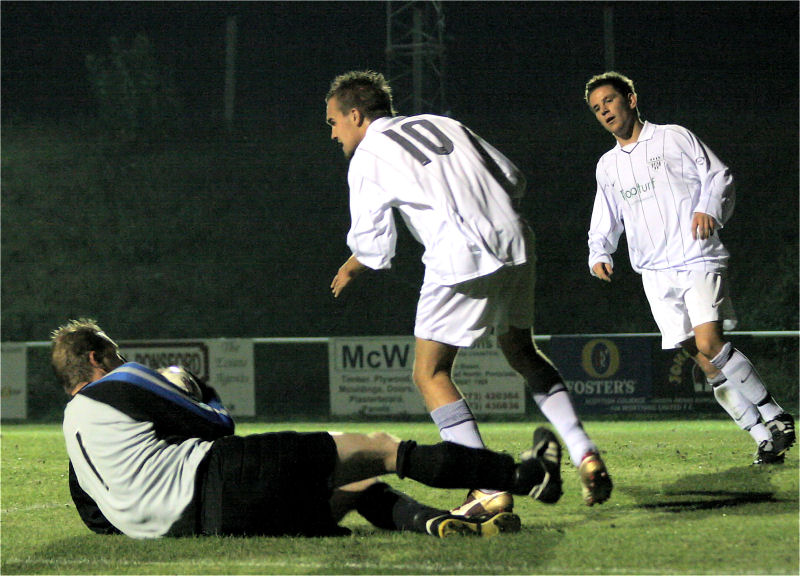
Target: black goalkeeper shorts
267,485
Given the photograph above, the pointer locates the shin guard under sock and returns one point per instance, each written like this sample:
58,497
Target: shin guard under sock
743,376
736,405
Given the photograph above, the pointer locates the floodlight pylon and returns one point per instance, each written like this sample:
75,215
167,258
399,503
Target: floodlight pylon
415,56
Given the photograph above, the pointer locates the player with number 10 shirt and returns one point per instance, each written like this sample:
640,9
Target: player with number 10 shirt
456,193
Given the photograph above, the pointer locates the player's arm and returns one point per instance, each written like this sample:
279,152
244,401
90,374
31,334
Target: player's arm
717,192
373,235
605,229
347,272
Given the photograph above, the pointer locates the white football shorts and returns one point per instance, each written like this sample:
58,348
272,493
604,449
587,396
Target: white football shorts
681,300
459,315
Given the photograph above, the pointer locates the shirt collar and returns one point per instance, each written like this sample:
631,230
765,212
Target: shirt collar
646,134
647,131
380,123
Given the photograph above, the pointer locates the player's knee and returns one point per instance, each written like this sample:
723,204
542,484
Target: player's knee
426,378
543,377
419,377
433,364
384,439
709,347
517,346
384,445
691,347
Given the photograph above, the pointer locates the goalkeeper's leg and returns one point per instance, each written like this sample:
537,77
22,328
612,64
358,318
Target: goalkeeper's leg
390,509
442,465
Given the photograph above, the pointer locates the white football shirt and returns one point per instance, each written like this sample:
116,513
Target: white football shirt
650,190
453,190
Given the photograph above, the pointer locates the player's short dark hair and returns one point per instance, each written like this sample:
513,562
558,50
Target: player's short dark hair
366,91
72,344
620,82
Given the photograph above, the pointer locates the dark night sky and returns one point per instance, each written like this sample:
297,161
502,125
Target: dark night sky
502,56
515,73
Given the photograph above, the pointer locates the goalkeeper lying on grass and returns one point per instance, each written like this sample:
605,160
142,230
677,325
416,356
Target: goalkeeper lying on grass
154,454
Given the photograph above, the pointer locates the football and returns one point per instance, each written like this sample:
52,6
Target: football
183,380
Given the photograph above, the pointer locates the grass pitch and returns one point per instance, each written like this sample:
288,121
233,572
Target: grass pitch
686,501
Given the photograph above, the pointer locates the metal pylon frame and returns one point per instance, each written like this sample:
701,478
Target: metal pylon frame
415,56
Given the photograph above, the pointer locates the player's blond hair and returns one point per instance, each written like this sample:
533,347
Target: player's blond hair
72,344
365,90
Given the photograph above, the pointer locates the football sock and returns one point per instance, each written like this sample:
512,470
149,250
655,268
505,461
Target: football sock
557,407
457,424
739,409
716,380
743,376
389,509
449,465
769,409
759,433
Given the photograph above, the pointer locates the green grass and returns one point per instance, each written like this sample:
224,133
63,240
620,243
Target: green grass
686,501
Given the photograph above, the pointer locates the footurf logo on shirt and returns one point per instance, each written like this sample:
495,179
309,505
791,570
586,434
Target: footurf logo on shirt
639,189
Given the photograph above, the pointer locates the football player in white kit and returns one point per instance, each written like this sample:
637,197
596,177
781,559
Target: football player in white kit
671,195
456,194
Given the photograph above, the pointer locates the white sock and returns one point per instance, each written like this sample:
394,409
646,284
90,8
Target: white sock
759,433
769,409
557,408
457,424
739,408
742,375
736,405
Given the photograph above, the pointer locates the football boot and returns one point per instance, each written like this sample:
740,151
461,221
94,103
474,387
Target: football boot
595,482
479,503
782,430
486,525
767,454
542,461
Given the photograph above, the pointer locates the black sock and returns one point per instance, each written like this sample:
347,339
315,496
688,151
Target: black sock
449,465
767,399
389,509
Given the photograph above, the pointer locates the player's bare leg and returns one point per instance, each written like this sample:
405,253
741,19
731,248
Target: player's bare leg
708,339
739,389
433,367
735,367
345,498
390,509
551,396
364,456
450,465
